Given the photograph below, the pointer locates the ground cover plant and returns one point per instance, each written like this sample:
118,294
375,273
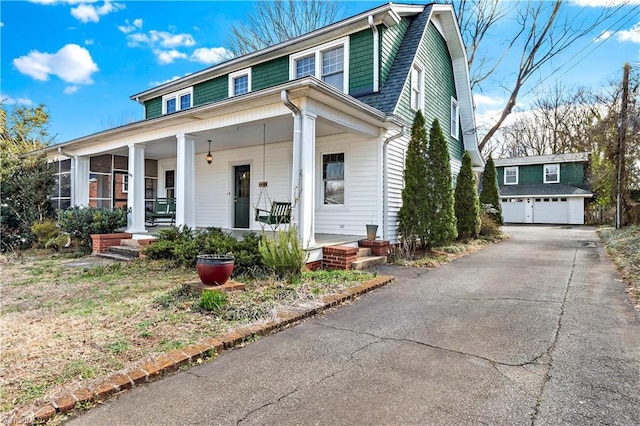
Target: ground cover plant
65,328
623,246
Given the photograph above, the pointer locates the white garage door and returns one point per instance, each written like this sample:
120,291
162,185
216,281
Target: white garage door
550,210
513,210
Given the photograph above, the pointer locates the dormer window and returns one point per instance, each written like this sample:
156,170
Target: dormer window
240,82
551,173
329,63
177,101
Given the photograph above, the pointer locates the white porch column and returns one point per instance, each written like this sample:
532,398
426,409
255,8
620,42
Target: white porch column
185,181
307,185
135,194
81,181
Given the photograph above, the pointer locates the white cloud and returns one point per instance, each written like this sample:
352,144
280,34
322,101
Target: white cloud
72,64
89,13
1,24
8,100
605,35
160,38
130,27
210,55
604,3
70,90
168,56
48,2
486,100
632,35
88,42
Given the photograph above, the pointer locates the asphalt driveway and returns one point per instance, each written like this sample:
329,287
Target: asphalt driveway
534,330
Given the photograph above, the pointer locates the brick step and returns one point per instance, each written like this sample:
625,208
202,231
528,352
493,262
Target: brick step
363,252
368,262
125,251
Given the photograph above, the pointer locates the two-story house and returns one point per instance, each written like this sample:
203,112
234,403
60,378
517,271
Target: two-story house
321,121
544,188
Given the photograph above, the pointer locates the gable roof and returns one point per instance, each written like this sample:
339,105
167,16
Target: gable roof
580,157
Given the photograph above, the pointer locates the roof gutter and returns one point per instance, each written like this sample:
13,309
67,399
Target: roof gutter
296,176
385,181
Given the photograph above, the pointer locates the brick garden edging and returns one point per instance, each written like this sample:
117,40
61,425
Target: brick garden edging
172,361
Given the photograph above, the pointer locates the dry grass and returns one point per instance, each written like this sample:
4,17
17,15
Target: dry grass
440,255
623,246
64,328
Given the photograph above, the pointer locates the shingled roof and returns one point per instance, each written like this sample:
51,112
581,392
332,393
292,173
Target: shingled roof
542,190
387,98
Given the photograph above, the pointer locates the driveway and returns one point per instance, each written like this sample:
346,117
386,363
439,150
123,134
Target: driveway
533,330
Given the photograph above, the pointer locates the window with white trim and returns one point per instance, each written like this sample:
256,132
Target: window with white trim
417,87
177,101
329,63
240,82
125,183
333,179
455,118
511,175
551,173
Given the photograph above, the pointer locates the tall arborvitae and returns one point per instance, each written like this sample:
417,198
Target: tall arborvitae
441,217
415,193
490,193
467,202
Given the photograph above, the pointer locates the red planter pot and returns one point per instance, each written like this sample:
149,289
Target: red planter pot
214,269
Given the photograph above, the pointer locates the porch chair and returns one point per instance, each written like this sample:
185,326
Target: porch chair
163,209
280,213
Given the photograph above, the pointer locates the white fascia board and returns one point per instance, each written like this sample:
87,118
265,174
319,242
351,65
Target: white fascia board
548,196
542,159
319,36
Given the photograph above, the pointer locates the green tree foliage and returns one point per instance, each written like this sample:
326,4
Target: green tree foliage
81,221
272,22
412,215
25,183
467,204
490,193
441,218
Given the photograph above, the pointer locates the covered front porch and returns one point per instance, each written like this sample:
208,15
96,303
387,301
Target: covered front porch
304,143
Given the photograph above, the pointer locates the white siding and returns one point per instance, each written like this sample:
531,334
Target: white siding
214,183
361,185
396,152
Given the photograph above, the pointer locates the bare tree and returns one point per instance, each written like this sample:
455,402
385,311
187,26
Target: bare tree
543,34
272,22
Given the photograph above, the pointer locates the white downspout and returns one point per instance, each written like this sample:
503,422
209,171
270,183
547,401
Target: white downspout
73,174
297,142
385,182
376,54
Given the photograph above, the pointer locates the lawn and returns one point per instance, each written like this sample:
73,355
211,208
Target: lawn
623,246
65,327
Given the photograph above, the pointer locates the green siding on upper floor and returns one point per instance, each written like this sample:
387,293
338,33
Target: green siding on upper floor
361,62
270,73
211,90
439,87
570,174
390,40
153,108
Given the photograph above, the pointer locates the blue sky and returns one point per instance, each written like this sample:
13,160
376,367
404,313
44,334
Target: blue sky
83,58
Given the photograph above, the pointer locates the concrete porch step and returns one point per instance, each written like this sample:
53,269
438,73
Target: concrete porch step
127,251
367,262
130,242
115,256
363,252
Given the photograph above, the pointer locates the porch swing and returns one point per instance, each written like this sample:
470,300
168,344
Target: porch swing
280,212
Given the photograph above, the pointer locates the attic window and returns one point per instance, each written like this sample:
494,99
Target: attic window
328,62
417,88
177,101
240,82
551,173
455,118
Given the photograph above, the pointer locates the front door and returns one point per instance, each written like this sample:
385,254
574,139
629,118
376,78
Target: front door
242,196
528,210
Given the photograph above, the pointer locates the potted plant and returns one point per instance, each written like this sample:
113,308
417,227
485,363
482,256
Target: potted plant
214,269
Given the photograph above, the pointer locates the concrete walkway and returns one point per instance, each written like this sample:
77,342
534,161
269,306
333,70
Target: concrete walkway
534,330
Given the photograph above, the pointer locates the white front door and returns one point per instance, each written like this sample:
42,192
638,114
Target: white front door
528,210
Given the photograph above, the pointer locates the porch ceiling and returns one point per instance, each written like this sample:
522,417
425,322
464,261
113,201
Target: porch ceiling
277,129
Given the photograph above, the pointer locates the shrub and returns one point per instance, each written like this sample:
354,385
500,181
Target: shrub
467,206
490,193
488,227
45,231
213,300
183,245
283,255
81,222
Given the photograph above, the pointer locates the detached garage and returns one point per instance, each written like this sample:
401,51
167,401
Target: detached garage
543,189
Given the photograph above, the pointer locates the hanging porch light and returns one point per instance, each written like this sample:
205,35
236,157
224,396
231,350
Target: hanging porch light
209,156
